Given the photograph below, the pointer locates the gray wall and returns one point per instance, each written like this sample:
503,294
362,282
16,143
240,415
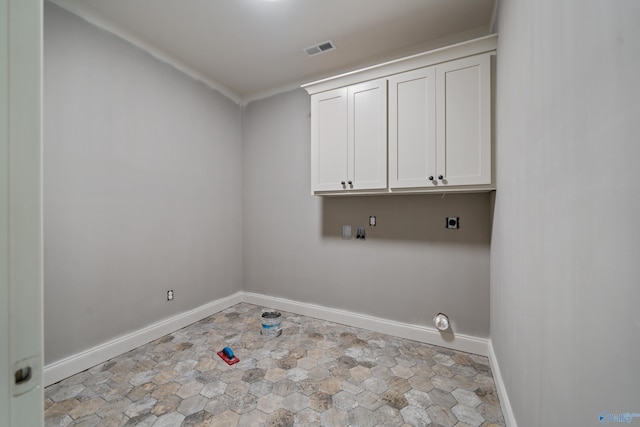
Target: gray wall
142,188
409,267
565,256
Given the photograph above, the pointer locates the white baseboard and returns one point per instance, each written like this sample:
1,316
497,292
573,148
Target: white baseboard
420,333
507,411
76,363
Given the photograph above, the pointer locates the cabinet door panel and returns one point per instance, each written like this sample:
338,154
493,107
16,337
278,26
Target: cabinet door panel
367,121
412,124
329,141
464,126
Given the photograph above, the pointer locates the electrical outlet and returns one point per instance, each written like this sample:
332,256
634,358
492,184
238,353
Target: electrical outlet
372,221
453,222
346,232
170,295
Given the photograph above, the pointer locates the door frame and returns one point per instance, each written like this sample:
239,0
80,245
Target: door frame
21,311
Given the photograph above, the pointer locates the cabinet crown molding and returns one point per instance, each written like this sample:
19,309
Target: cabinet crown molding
432,57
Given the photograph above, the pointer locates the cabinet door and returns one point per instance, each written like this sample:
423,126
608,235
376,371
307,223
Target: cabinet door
329,140
412,129
367,122
464,121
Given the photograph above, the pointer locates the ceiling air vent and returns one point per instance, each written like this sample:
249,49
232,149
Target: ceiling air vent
319,48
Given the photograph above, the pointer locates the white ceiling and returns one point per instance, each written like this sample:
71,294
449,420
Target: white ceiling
248,49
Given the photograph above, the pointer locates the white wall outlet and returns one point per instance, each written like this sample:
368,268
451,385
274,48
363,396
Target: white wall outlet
170,295
372,221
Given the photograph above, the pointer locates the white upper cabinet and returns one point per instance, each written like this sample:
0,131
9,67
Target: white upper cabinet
463,124
425,121
349,138
329,136
367,123
440,125
412,128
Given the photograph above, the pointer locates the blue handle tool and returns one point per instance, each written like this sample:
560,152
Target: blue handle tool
228,352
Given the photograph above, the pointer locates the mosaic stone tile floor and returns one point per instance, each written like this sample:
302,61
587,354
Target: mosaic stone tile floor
316,373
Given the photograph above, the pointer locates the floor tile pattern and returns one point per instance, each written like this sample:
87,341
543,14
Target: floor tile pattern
317,373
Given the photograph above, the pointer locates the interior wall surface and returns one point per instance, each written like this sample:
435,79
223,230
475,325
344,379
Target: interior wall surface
142,188
408,268
565,323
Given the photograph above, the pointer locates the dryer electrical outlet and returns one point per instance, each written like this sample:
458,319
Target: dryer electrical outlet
453,222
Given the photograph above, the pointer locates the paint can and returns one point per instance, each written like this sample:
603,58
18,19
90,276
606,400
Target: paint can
271,321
